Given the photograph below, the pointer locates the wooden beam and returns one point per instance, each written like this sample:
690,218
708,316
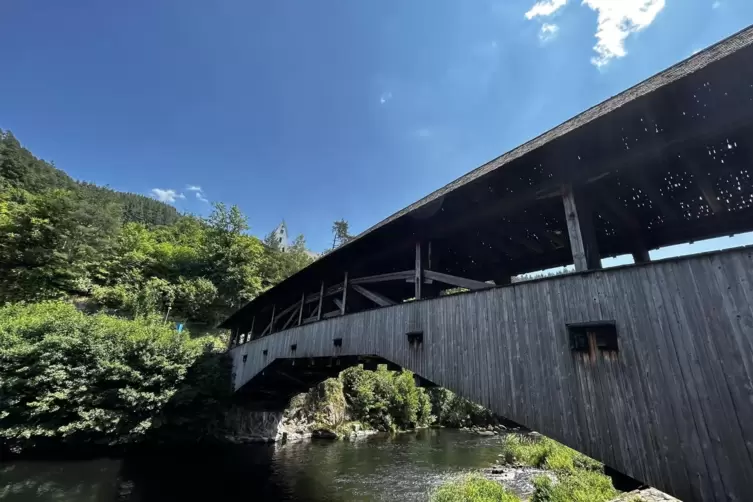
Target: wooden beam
640,255
581,230
345,294
460,282
272,321
321,300
300,311
338,303
380,300
292,317
334,313
232,340
419,273
392,276
292,378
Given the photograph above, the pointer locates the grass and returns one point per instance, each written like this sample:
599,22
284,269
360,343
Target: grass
580,486
473,488
579,478
545,453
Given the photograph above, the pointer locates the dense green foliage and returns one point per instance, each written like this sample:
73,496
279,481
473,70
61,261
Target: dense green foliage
387,400
580,486
70,377
451,410
20,169
473,489
60,238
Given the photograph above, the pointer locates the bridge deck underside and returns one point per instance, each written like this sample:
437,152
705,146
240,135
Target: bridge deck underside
672,404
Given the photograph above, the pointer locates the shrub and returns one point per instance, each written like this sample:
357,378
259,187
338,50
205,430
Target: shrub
69,377
473,488
385,399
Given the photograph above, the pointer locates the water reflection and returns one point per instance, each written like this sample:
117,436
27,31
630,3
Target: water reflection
402,467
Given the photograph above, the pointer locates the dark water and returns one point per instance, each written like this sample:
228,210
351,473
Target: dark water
402,467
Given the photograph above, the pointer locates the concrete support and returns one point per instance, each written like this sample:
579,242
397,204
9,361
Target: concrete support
580,229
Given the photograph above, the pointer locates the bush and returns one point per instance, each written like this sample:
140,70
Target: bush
69,377
473,489
452,410
385,399
583,486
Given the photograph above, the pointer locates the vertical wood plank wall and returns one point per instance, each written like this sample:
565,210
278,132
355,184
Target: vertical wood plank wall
674,408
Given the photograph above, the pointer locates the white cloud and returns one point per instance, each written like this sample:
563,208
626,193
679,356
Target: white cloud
548,32
716,4
617,19
166,195
193,188
200,196
546,8
386,96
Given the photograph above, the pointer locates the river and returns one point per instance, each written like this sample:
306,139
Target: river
376,468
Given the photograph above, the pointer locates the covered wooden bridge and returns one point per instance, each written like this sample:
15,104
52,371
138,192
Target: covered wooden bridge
646,367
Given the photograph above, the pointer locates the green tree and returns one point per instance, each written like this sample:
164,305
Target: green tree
52,244
340,233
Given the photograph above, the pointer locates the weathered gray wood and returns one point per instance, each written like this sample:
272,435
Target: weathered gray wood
338,303
392,276
300,311
345,295
674,408
581,231
375,297
293,316
418,278
460,282
321,300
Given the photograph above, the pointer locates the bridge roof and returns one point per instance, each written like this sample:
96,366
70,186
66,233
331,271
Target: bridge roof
662,163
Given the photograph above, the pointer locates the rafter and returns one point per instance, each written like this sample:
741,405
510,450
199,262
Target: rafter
377,298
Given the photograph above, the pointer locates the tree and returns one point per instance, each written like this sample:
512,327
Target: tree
340,233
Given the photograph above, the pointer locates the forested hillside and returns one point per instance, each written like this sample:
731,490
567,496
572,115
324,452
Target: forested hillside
132,255
20,169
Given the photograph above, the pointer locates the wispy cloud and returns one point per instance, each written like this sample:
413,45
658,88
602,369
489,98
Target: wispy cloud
545,8
166,195
716,4
193,188
616,20
386,96
548,32
200,196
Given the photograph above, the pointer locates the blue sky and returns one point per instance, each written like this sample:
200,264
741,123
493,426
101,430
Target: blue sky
315,111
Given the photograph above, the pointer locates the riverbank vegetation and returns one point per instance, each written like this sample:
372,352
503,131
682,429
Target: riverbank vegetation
574,476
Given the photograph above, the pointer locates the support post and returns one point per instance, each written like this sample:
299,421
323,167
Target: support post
581,231
321,300
251,331
300,311
272,322
641,255
345,294
231,341
419,278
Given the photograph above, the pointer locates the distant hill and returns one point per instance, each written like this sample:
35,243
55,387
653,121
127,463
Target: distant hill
20,168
